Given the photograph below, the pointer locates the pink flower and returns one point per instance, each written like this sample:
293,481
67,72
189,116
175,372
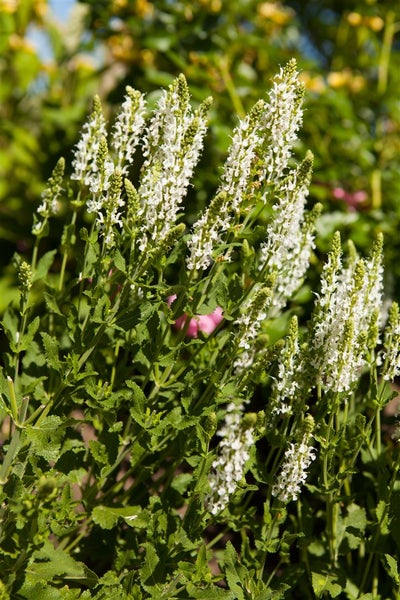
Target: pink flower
204,323
352,199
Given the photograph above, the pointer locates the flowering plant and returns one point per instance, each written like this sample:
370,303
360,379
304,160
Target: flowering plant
171,428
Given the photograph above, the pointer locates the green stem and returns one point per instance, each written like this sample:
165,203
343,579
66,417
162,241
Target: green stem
65,257
386,48
229,85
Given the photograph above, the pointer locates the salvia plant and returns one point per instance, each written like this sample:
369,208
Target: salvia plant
173,424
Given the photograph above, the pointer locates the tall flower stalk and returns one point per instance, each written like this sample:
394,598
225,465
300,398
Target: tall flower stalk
290,234
171,148
259,155
346,317
298,457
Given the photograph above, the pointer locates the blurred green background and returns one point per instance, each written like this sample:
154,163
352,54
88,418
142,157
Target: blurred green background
54,56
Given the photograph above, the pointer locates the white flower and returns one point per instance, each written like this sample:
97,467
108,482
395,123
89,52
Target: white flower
290,235
293,474
85,155
50,196
282,119
298,457
171,148
128,127
391,355
210,230
346,317
229,467
285,386
248,327
259,154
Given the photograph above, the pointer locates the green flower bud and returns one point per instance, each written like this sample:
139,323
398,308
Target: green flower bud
24,277
210,424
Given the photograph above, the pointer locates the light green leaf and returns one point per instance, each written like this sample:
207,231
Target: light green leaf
26,339
119,261
46,438
326,583
233,571
44,265
151,561
107,517
392,567
50,345
50,563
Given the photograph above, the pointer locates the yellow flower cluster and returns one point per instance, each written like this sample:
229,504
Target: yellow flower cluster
346,78
275,12
374,22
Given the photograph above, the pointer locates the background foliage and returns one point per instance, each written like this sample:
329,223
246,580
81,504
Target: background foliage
348,53
349,56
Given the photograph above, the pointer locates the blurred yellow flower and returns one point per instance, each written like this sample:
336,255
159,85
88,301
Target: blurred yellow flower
312,83
375,23
357,83
121,46
144,8
119,4
337,79
147,57
214,6
8,6
40,8
354,19
275,12
17,42
346,78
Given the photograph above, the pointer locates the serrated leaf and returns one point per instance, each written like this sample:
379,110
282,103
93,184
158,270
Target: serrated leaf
392,567
50,563
46,438
119,261
44,264
107,517
50,345
51,304
210,593
383,517
150,564
10,324
233,570
27,338
138,404
181,482
326,583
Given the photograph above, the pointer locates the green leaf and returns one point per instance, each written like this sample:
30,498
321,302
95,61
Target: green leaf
50,564
383,517
351,528
233,571
392,567
150,564
181,482
138,403
210,593
27,338
46,438
51,347
107,517
10,324
51,304
119,261
44,264
327,583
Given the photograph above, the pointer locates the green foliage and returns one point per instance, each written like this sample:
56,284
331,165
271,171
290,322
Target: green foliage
166,430
115,401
